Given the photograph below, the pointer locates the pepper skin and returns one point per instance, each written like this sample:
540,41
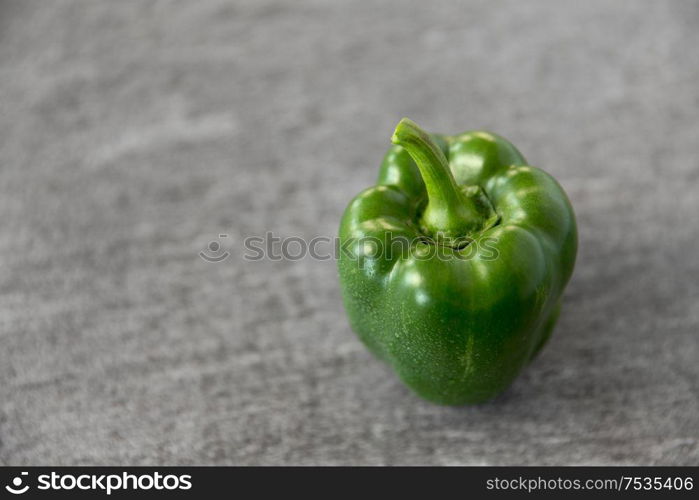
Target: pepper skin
452,267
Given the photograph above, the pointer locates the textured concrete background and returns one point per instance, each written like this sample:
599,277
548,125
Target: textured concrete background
133,133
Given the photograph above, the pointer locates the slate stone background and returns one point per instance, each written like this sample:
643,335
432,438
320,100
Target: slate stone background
132,134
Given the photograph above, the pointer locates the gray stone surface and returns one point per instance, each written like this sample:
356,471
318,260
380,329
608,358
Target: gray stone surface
133,133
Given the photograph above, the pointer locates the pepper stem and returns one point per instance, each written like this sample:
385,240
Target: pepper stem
449,212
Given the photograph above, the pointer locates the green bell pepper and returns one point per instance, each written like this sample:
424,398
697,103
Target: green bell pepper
453,266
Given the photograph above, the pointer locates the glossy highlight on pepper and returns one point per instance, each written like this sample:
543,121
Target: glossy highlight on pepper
457,330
